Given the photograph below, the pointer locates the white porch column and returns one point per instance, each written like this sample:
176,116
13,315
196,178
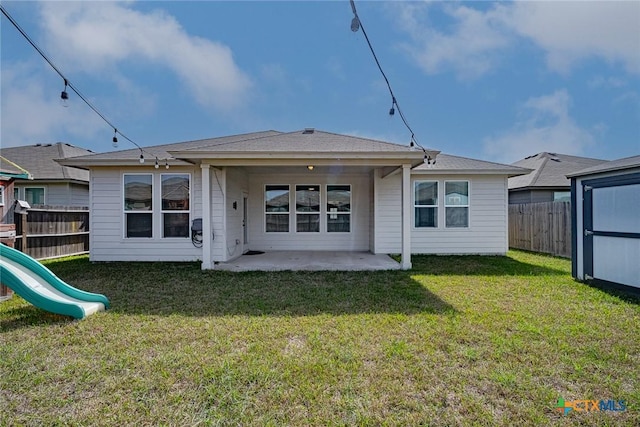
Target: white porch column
206,218
406,217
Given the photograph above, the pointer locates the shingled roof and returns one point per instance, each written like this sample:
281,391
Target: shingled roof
446,163
39,160
613,165
306,143
549,170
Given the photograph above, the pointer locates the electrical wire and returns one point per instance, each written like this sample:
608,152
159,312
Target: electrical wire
68,83
354,27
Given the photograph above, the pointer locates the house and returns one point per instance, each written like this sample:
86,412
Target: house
52,183
606,223
548,181
214,199
9,172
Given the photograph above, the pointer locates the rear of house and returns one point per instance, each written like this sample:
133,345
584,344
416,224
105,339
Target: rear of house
212,200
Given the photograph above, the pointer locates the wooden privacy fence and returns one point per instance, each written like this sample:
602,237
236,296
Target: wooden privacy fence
53,231
541,227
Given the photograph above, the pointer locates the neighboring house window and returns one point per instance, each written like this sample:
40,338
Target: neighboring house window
138,205
338,208
1,195
175,205
308,208
276,205
562,196
16,193
34,195
456,204
426,203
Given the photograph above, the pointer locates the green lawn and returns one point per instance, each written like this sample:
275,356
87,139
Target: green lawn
457,340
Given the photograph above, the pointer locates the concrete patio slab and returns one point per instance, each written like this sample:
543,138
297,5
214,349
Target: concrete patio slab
310,261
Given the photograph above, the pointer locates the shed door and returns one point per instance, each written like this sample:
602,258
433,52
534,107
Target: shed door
612,229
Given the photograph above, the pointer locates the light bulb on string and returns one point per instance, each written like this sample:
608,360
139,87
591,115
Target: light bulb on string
115,138
156,165
141,158
64,96
166,164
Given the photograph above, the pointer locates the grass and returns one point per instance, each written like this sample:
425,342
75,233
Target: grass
457,340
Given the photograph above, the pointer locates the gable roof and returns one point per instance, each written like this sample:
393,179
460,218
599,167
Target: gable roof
39,159
549,170
267,146
460,165
613,165
9,170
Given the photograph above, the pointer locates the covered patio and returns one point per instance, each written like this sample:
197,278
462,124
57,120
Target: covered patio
310,261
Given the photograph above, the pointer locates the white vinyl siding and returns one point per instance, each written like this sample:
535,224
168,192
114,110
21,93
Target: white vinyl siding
107,228
487,231
58,193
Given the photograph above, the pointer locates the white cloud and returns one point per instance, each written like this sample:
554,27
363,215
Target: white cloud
545,125
95,36
469,49
568,32
573,31
32,113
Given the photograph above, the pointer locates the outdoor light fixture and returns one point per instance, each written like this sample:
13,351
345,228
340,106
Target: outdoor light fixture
355,22
64,96
310,167
115,138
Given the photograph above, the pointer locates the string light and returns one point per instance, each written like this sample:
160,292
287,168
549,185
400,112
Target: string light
115,138
156,165
64,95
166,164
356,24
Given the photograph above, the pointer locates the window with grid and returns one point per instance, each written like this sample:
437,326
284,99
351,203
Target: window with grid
338,208
138,205
276,205
425,203
175,190
308,208
456,204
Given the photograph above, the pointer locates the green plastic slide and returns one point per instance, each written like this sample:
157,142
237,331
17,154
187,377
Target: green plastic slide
38,285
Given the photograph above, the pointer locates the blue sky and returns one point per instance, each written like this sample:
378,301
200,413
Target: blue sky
494,81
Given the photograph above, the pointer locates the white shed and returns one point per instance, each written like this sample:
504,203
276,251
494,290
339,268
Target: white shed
606,223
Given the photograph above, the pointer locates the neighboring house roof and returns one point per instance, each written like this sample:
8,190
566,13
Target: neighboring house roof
610,166
10,170
39,159
549,170
459,165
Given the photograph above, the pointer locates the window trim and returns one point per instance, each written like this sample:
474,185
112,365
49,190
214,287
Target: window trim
319,213
44,194
326,213
163,211
468,205
264,208
126,212
2,191
436,206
